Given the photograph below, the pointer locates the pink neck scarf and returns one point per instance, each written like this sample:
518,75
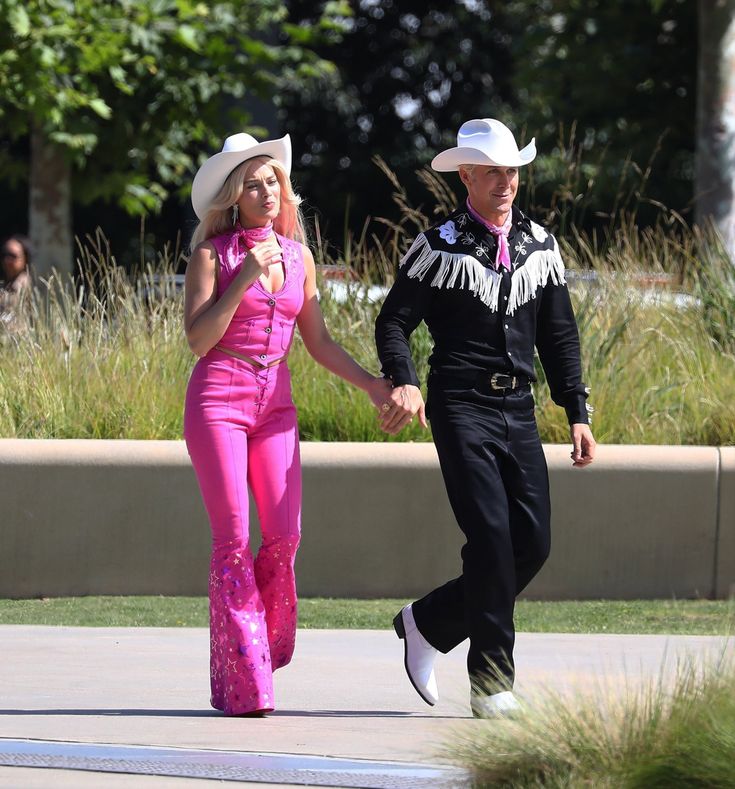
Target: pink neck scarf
245,238
500,231
254,235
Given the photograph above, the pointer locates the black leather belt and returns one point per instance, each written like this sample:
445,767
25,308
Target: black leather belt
485,380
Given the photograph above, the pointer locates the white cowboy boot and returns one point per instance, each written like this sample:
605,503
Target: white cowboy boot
497,705
418,656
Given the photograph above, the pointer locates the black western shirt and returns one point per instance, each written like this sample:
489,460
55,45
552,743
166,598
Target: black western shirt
483,319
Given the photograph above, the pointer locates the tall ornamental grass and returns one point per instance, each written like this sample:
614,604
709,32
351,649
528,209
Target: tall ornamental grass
106,357
103,358
662,734
658,343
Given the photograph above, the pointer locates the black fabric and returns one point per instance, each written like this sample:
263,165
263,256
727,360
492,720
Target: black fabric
468,335
483,381
489,449
496,478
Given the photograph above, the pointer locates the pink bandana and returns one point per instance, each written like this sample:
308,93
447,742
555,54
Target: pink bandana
245,238
501,231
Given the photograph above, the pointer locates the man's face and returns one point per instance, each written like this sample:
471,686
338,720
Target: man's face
491,190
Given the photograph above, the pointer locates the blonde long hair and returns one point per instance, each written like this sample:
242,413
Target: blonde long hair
218,219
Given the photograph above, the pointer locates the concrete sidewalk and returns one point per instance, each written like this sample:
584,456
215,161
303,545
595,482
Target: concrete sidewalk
345,696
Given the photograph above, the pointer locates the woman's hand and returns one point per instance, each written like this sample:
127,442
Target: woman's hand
399,409
259,259
206,317
379,392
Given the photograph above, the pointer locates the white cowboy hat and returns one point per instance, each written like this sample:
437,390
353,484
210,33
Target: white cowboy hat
484,141
237,148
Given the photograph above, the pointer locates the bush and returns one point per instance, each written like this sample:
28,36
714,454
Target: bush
665,734
107,358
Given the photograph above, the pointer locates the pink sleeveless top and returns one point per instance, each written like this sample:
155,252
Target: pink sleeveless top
263,324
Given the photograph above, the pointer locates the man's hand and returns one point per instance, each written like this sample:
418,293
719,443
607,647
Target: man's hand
399,409
583,445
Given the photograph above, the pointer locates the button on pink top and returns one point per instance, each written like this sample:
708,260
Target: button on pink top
263,324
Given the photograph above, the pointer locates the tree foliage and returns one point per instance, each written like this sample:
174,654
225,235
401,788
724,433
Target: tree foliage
609,88
407,74
603,86
135,90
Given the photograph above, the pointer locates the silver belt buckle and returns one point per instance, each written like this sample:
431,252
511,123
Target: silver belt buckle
495,385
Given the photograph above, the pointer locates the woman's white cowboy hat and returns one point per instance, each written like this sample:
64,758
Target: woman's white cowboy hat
237,148
484,141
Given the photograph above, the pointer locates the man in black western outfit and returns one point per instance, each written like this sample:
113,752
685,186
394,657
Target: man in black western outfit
489,283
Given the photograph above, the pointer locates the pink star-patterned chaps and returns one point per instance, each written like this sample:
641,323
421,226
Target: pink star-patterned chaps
240,429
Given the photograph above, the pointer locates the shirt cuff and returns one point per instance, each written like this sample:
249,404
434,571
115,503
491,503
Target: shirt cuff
401,372
576,408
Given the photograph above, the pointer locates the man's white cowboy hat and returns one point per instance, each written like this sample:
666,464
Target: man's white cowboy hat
237,148
484,141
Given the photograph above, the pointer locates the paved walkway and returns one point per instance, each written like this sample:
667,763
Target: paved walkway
345,697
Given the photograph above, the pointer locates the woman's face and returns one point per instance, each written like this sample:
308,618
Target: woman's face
260,201
14,259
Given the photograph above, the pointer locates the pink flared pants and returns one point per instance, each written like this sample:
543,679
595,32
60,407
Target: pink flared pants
240,429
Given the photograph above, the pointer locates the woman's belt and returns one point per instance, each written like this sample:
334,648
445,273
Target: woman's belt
249,359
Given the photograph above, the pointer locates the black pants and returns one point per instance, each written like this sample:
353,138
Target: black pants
496,477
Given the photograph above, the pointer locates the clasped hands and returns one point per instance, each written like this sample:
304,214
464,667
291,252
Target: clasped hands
399,408
404,402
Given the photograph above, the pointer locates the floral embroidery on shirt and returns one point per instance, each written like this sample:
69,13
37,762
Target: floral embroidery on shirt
463,219
520,247
448,232
471,263
538,232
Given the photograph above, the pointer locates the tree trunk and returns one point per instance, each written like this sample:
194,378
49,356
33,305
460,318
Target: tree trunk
49,207
715,179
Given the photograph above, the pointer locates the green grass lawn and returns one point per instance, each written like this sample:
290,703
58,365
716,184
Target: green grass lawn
694,617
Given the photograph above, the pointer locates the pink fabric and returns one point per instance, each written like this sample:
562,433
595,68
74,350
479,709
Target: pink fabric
502,258
241,432
241,239
263,324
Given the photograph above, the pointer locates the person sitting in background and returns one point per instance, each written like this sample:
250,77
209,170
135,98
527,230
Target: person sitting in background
16,282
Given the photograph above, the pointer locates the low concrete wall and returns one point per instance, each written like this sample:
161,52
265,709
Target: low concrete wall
725,577
639,523
100,517
125,517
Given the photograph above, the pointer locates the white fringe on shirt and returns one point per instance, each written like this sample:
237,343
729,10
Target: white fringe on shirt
456,270
464,271
534,274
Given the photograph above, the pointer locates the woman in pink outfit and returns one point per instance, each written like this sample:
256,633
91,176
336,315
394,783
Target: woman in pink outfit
250,279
